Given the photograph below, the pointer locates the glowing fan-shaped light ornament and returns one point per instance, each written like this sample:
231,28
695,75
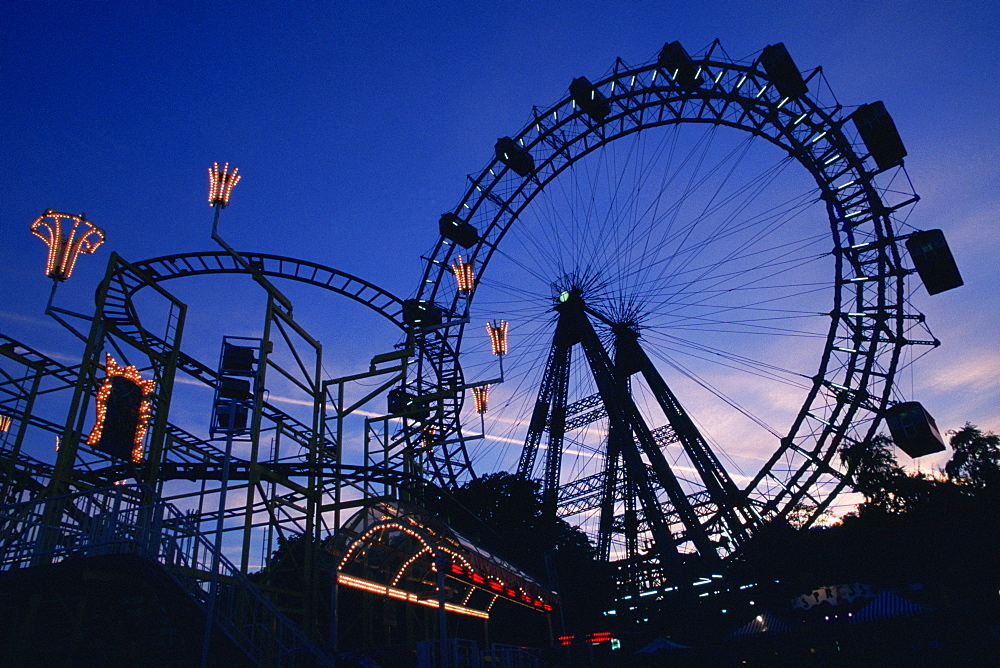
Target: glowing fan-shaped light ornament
67,236
464,275
481,396
4,423
498,336
221,184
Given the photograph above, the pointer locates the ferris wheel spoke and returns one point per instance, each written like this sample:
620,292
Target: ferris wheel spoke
677,220
723,357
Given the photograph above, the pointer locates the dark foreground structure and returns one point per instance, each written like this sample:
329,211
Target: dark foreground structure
114,610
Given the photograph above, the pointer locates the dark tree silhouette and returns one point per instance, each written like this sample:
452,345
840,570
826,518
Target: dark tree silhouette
892,496
976,458
872,468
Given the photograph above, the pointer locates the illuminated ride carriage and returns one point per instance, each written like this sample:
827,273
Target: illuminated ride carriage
402,573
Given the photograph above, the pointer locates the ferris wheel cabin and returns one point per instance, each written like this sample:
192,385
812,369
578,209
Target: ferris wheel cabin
676,61
913,429
510,153
933,261
879,133
778,64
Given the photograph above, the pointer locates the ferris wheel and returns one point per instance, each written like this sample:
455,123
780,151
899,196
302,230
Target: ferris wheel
696,272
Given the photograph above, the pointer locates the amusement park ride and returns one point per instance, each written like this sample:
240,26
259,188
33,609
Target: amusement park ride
697,260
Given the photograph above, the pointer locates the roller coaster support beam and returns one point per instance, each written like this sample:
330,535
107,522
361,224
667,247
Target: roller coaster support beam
258,276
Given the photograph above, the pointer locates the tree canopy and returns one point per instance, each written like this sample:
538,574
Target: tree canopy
965,493
976,460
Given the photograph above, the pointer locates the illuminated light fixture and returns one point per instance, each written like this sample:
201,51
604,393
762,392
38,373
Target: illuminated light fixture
129,415
498,336
481,395
589,638
221,184
517,596
66,239
5,421
427,436
409,562
464,275
375,529
392,592
460,568
817,137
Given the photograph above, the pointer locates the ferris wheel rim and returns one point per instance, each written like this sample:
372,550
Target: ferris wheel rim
848,189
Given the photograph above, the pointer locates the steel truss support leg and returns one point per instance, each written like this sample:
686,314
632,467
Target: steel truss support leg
730,501
606,526
614,483
550,412
625,416
629,439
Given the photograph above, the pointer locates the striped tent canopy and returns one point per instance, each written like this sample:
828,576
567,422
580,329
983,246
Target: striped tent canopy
766,623
887,605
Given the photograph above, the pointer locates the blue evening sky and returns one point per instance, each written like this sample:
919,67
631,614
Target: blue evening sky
355,125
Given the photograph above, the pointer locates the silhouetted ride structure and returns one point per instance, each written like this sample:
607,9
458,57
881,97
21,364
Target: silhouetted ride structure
700,265
654,221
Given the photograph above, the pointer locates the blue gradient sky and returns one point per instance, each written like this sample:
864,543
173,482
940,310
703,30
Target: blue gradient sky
355,125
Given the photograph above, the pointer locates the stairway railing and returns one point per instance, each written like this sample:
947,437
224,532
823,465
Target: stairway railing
113,521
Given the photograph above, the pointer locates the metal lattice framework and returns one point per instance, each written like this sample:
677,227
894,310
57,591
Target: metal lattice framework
138,321
864,323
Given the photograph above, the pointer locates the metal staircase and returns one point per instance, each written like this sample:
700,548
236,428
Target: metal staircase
111,521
